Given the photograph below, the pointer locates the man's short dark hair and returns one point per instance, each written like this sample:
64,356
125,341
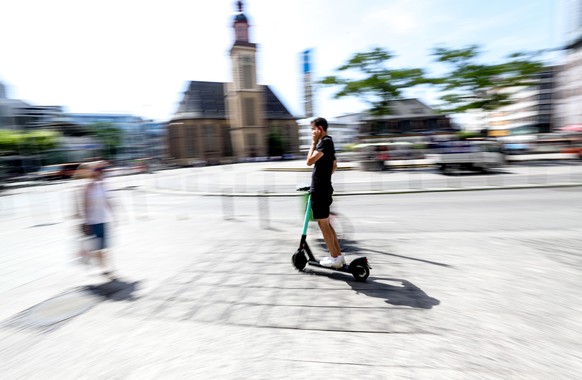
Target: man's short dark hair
320,122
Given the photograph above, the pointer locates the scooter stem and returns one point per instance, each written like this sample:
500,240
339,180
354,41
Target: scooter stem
307,215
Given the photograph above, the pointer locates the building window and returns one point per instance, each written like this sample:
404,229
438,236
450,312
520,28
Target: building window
404,126
174,136
249,111
432,125
252,140
545,86
226,142
191,142
418,126
247,76
209,138
545,96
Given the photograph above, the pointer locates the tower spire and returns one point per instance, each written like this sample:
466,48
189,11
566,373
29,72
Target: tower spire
241,24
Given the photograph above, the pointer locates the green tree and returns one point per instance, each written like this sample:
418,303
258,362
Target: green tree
275,143
9,141
376,84
34,142
468,84
39,141
110,137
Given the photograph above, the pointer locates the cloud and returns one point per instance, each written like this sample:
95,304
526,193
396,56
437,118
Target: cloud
400,17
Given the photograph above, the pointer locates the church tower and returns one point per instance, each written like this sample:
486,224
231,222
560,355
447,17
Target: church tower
244,98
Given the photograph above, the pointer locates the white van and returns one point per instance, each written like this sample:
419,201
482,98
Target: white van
479,155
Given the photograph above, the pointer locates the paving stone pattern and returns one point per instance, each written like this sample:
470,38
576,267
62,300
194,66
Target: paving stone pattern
259,287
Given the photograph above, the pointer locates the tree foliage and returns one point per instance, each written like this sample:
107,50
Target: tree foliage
110,137
15,142
377,84
275,143
468,84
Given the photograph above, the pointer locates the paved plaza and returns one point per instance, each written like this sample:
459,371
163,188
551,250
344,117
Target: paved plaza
471,285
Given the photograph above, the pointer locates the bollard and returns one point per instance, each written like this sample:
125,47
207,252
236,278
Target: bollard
450,180
339,183
227,204
144,203
34,216
196,181
64,204
380,182
410,181
133,192
244,182
264,210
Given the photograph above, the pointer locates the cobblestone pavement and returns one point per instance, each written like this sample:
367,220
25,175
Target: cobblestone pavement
209,298
258,287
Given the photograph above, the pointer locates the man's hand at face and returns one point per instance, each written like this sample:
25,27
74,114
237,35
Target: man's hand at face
316,135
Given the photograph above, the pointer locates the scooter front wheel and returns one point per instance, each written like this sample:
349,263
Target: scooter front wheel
299,259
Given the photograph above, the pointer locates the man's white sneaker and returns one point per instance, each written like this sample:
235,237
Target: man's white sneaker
326,261
333,262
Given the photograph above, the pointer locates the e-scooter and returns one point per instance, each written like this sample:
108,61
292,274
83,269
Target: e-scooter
359,268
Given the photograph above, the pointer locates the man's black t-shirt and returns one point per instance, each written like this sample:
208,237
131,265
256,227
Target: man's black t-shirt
321,177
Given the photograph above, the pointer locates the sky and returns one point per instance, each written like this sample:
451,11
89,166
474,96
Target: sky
137,57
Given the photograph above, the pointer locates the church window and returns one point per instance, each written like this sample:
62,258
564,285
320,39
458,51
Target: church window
191,142
249,111
209,138
252,140
247,76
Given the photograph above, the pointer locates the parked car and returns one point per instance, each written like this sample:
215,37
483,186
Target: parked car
60,171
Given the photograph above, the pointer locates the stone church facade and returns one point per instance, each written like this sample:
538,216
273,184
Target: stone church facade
227,122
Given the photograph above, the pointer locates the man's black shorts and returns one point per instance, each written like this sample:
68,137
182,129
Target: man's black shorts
320,202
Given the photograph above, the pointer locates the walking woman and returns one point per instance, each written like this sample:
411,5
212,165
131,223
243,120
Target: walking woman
97,212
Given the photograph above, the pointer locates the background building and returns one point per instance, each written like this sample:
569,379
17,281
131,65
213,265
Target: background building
133,140
307,83
569,76
343,130
223,122
532,110
410,119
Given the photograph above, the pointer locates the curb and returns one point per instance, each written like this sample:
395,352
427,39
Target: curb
306,169
370,192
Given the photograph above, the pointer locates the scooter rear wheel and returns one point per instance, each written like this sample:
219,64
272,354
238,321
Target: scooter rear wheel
360,272
299,259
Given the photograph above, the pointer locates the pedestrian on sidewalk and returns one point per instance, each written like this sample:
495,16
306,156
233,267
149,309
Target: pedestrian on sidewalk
322,156
81,176
97,214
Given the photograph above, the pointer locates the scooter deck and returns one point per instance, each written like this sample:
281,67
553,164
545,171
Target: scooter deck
345,268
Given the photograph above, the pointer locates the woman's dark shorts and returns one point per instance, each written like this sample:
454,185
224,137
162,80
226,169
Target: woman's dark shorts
320,203
98,231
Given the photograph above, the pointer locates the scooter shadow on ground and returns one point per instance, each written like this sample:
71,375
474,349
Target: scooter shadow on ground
349,246
397,292
393,291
